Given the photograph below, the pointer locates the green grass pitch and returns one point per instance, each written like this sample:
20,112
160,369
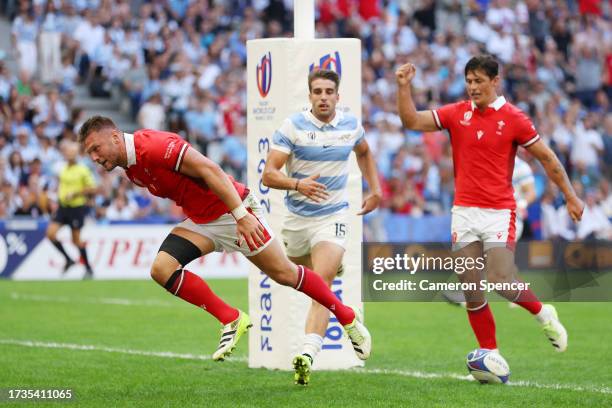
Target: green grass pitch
417,360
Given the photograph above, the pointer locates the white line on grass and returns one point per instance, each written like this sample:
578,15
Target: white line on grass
419,374
87,347
104,301
374,371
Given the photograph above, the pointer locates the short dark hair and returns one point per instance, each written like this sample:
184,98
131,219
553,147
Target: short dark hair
323,74
484,62
94,124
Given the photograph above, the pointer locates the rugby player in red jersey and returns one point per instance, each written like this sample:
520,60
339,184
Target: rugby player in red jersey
222,215
485,132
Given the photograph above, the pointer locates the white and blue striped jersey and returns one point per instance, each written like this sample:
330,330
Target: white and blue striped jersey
316,147
521,176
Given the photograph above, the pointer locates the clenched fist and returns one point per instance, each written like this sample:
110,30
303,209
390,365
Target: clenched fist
405,74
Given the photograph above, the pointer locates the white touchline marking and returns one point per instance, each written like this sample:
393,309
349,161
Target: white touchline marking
419,374
105,301
375,371
89,347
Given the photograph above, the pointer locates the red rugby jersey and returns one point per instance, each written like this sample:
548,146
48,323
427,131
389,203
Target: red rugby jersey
484,146
154,162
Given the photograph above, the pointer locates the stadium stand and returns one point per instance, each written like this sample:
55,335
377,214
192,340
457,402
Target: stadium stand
180,65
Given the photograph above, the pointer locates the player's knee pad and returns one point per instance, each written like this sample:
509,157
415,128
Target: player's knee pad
181,249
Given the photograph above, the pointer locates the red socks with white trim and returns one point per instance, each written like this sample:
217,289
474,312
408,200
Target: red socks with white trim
313,285
193,289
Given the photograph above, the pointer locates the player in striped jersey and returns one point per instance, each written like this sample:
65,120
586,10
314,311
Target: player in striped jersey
524,192
315,146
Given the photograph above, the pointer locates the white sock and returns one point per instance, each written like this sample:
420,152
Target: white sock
312,345
544,315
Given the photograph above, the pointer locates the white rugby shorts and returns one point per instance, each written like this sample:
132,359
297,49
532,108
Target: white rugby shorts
301,234
494,228
222,231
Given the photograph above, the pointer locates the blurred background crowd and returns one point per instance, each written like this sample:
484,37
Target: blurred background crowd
180,65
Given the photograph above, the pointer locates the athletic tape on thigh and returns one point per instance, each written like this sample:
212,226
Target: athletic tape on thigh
183,250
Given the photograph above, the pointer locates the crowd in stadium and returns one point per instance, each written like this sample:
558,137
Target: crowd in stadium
181,64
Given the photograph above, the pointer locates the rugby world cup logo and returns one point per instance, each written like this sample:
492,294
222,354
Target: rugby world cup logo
466,118
264,74
329,61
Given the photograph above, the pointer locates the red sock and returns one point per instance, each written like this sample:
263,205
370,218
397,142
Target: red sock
193,289
483,326
315,287
528,300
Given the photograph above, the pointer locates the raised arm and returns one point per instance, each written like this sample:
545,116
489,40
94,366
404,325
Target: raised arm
411,118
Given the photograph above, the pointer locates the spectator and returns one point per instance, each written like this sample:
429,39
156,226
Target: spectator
587,146
152,114
589,71
27,203
555,221
594,224
607,142
121,209
24,34
27,148
5,82
193,55
133,83
478,29
15,170
203,122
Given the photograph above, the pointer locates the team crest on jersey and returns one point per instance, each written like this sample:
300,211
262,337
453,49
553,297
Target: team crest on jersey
500,126
311,136
466,118
345,137
480,133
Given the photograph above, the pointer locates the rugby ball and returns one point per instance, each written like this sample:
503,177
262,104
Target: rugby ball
488,366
